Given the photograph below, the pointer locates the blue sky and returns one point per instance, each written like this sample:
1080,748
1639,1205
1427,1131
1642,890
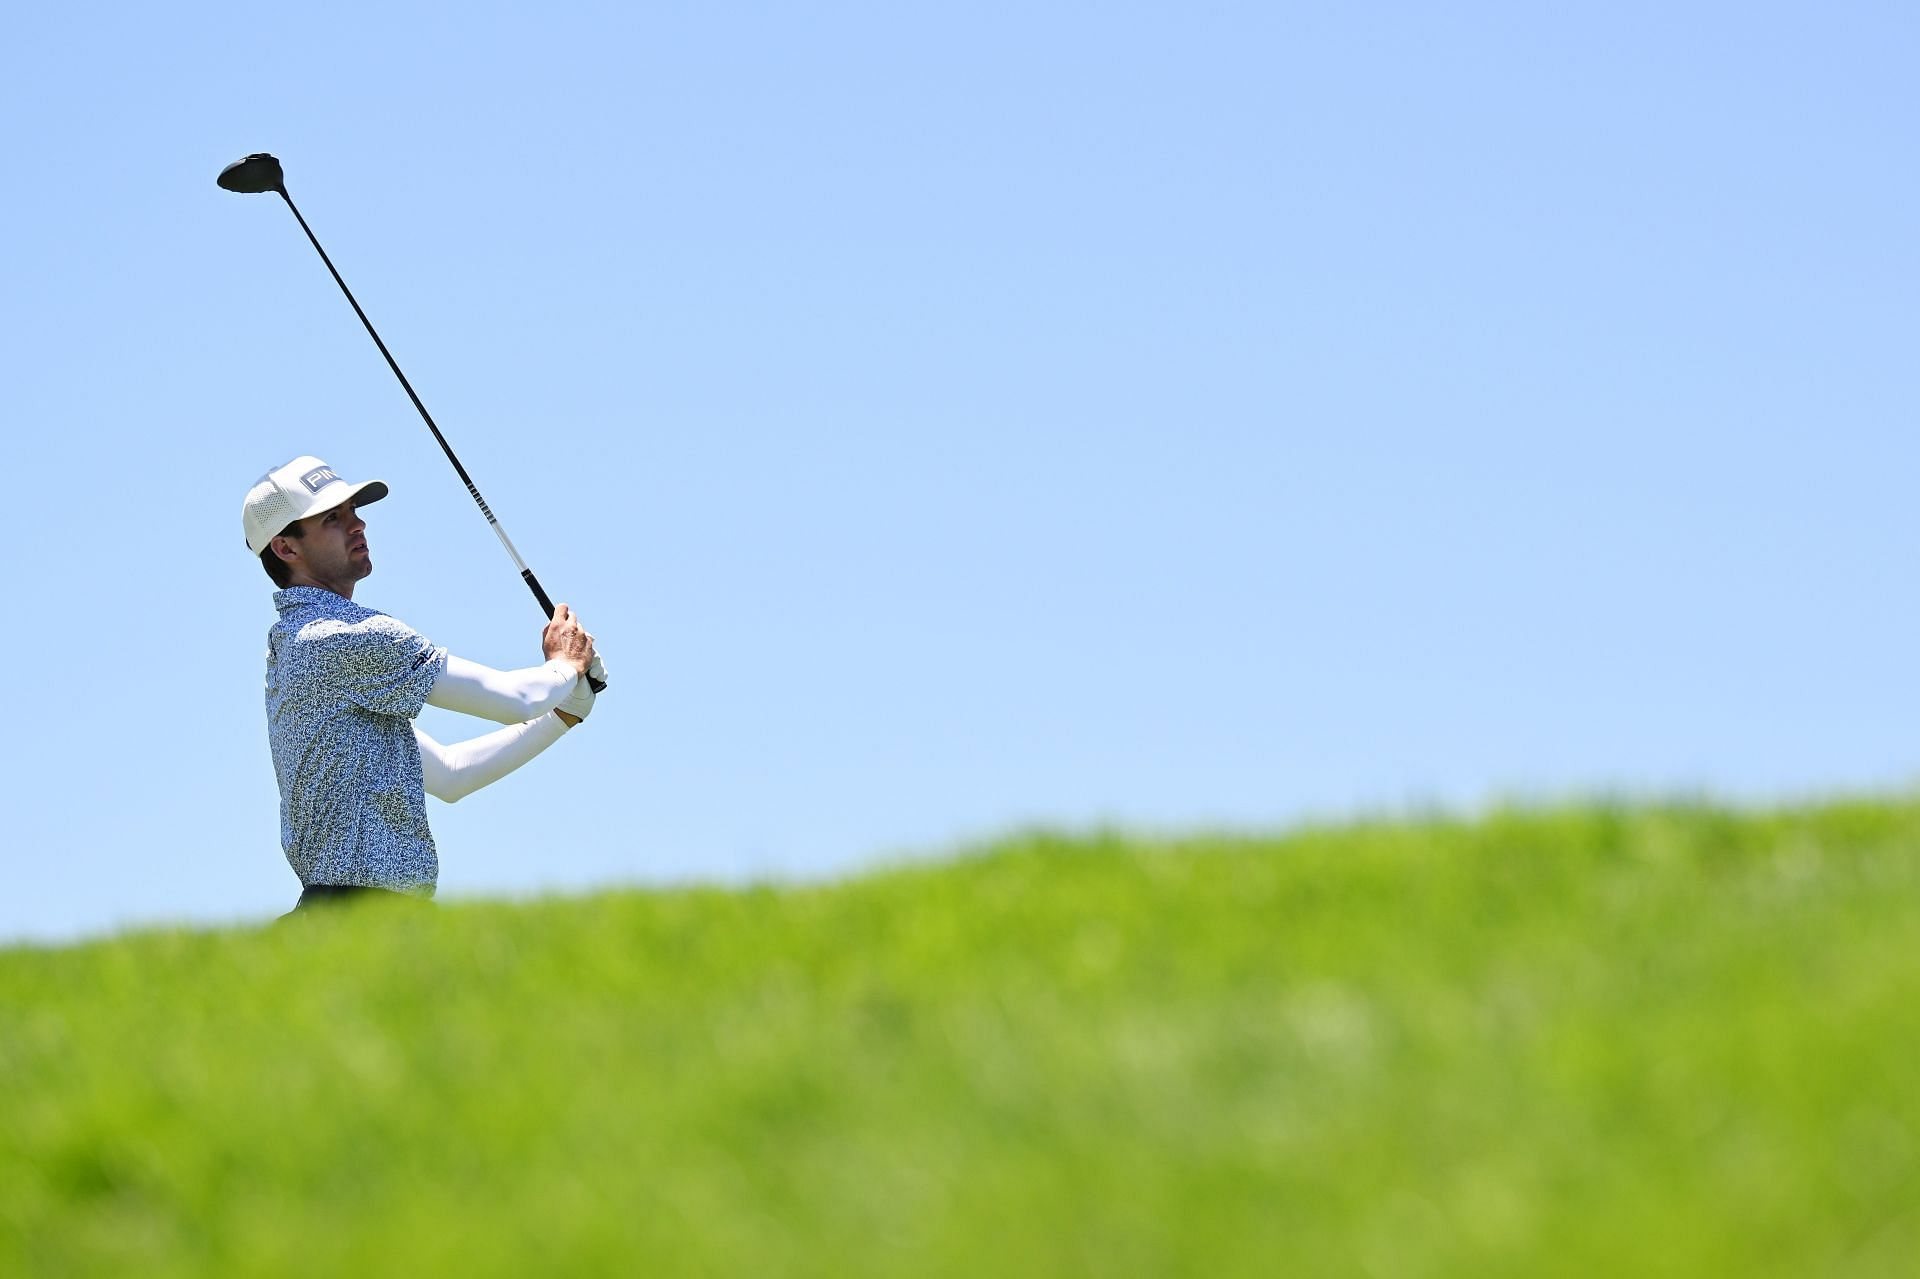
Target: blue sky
952,419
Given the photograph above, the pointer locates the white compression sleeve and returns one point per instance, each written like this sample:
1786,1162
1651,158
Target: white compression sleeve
505,697
452,772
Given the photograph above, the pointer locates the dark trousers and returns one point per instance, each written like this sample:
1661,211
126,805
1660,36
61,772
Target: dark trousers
320,896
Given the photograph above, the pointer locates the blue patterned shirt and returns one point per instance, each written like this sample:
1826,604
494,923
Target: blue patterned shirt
343,685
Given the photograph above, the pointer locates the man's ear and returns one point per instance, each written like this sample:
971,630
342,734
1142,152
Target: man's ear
285,549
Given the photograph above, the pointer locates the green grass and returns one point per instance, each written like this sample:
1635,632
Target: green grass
1664,1041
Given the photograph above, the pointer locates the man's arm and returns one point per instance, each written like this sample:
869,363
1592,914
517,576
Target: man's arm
511,697
456,771
505,697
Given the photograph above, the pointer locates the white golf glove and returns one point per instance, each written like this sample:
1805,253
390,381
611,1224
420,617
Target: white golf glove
597,672
580,701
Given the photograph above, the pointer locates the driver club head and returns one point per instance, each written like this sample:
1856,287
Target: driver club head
254,174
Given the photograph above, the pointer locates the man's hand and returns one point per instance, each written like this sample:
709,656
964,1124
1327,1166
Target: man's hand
578,705
567,640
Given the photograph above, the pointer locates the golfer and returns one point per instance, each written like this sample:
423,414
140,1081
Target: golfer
344,684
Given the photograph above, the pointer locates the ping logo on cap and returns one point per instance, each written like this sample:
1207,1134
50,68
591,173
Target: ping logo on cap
318,478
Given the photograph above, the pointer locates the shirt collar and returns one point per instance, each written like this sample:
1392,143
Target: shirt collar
306,596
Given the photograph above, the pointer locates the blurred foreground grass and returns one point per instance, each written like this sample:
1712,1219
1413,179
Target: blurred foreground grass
1664,1041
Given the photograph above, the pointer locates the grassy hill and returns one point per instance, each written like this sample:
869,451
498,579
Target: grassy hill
1648,1042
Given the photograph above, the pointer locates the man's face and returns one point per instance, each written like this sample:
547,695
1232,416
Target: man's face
333,547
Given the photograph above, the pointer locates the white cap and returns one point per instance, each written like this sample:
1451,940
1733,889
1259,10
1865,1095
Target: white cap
294,490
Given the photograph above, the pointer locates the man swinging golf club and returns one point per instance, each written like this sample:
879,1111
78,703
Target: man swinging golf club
344,683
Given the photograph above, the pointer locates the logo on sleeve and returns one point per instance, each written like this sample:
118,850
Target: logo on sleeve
318,478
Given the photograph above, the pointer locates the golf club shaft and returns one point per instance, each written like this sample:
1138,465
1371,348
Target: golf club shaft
526,574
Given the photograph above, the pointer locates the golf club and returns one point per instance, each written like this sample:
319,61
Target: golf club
261,172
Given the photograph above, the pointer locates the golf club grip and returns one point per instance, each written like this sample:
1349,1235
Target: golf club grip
533,584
